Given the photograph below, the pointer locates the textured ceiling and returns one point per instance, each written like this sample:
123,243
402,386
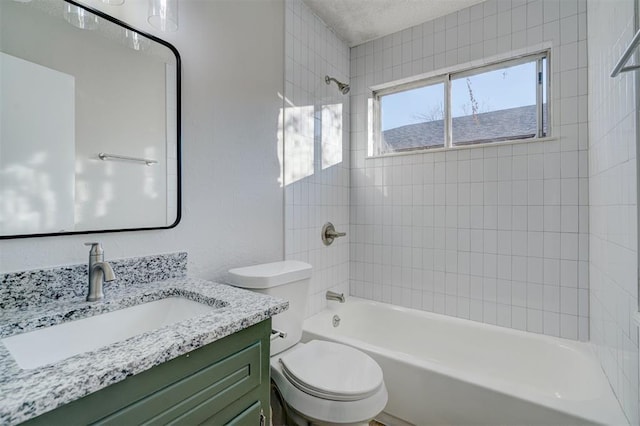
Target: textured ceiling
358,21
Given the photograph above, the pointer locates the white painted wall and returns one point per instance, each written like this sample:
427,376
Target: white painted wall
613,234
492,234
316,166
233,54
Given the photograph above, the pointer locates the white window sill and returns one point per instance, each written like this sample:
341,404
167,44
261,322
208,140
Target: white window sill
462,147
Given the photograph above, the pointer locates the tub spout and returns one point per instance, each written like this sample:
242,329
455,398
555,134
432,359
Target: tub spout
332,295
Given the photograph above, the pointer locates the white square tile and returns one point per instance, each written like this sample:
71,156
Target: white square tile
568,8
569,219
535,190
504,242
568,326
519,167
535,166
490,265
583,302
569,246
568,273
534,321
569,164
535,244
552,194
489,312
569,29
552,218
534,270
475,287
519,194
569,300
551,10
551,268
551,323
519,318
535,217
475,310
504,217
519,243
519,219
519,268
504,193
490,215
476,264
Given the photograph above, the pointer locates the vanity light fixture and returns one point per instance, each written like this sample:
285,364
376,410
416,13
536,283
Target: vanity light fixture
79,17
163,14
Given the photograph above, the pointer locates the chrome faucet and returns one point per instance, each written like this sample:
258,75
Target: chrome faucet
99,272
332,295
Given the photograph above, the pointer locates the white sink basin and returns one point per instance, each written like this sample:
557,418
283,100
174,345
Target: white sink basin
48,345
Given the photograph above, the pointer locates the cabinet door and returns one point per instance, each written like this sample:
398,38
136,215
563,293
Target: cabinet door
242,413
252,416
193,399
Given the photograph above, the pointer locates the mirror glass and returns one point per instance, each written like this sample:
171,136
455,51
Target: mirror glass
89,123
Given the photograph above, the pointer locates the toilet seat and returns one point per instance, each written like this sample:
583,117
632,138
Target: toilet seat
332,371
318,401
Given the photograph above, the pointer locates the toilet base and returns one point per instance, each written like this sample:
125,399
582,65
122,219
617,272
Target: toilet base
298,420
284,415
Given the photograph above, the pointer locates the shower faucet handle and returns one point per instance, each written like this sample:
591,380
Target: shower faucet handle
329,233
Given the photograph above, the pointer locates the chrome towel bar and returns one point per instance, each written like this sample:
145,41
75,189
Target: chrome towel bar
104,157
619,68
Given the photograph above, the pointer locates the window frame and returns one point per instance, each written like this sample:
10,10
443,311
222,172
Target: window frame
446,77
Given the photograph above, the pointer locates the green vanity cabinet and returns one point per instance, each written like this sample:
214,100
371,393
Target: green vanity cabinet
223,383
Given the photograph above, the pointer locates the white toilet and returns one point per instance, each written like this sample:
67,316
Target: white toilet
322,383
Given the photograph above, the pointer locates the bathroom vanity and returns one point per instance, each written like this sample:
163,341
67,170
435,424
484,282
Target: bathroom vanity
212,367
224,382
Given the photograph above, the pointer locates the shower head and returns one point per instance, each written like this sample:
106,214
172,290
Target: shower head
342,87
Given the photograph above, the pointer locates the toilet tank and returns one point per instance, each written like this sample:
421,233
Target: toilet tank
289,280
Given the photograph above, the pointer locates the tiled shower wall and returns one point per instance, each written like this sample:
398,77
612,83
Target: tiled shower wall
316,150
612,194
495,234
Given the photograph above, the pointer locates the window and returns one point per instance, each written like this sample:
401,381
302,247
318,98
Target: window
413,119
499,102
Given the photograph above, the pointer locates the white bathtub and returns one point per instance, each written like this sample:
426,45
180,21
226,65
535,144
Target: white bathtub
445,370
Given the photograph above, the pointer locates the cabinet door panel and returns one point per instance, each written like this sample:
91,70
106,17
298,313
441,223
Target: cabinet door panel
249,417
194,398
241,413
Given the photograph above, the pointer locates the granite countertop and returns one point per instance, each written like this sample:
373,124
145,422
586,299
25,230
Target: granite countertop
28,393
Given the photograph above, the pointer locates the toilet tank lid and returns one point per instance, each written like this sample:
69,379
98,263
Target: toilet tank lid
269,275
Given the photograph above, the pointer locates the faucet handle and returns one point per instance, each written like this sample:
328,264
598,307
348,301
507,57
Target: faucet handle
96,248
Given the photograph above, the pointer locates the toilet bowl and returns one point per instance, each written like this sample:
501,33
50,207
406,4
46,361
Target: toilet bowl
319,382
